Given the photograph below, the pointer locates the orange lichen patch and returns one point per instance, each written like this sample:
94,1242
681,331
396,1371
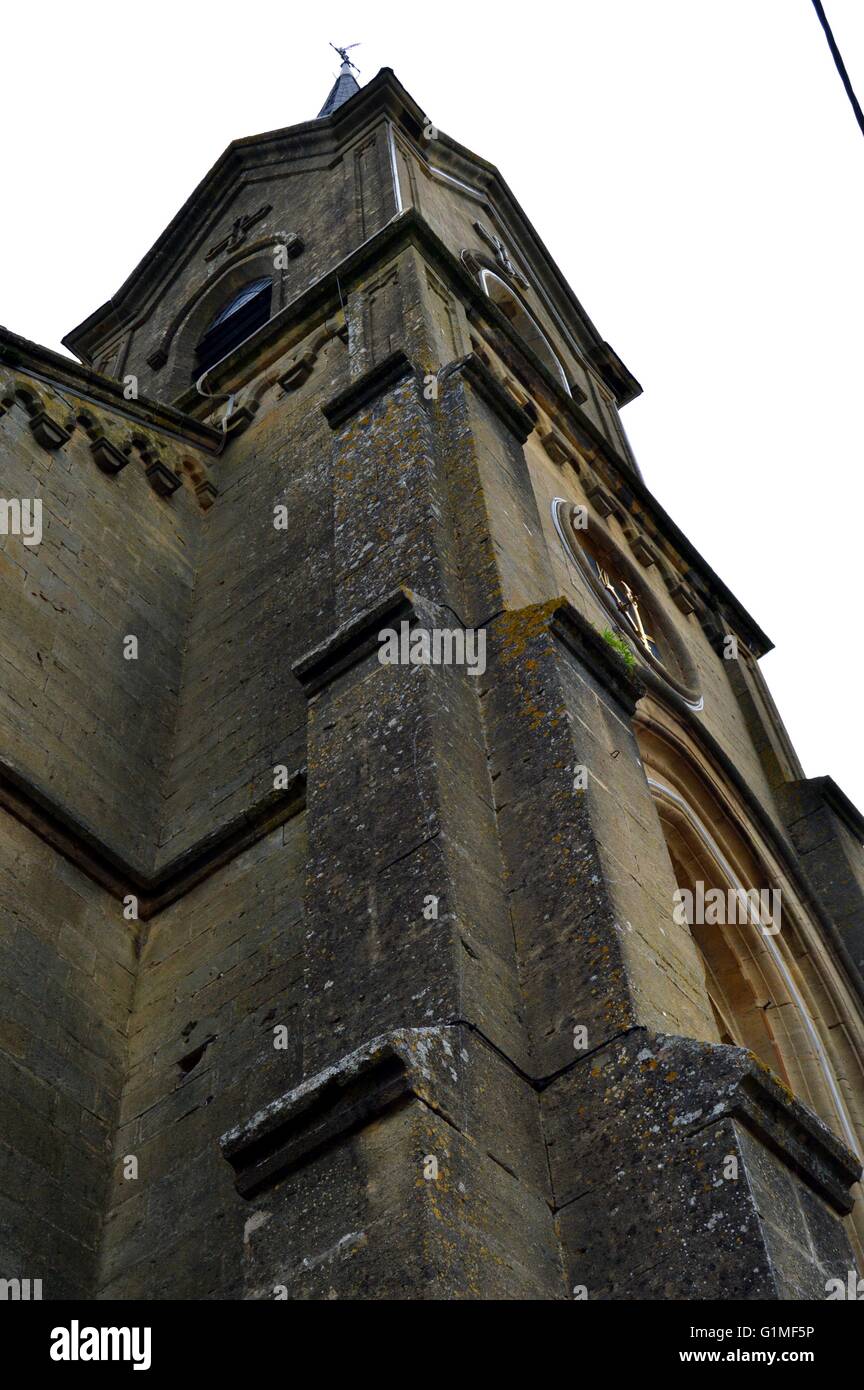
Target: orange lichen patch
535,712
519,626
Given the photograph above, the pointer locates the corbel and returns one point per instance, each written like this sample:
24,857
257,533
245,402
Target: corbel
645,553
206,493
240,419
601,501
46,431
682,597
713,626
108,457
161,478
558,450
299,370
293,244
300,366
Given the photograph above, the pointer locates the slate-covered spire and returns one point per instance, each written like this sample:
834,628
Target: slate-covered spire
345,86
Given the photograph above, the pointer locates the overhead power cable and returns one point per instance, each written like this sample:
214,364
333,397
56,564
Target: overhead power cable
841,66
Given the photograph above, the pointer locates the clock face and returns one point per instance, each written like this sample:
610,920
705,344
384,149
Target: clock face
626,597
627,602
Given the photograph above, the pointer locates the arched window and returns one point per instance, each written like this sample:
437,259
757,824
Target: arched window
245,311
525,325
740,1014
756,980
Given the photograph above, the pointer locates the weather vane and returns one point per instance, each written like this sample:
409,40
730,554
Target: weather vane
343,54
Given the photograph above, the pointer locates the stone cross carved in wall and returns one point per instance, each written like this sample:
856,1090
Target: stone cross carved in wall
239,231
501,255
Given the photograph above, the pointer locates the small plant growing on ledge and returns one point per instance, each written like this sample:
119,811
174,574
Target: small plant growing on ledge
621,647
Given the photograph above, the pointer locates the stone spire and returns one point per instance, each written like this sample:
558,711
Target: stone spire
345,86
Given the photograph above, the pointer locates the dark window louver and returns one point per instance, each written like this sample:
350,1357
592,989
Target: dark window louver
248,310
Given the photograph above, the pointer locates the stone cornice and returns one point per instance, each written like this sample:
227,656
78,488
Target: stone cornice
620,380
411,230
51,368
447,156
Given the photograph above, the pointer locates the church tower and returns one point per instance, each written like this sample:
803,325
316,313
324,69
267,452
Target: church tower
412,891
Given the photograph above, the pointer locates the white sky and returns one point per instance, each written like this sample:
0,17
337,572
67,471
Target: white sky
693,165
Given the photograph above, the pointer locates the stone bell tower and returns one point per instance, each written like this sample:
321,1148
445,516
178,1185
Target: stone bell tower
335,976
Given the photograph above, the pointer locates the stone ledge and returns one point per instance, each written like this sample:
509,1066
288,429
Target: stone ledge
808,793
334,1102
59,827
593,652
807,1145
351,642
358,638
489,388
367,388
695,1085
621,382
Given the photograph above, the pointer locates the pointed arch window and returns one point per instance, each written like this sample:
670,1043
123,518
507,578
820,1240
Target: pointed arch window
246,310
741,1018
763,987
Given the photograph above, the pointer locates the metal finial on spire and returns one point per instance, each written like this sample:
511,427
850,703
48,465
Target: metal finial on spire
345,86
347,64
